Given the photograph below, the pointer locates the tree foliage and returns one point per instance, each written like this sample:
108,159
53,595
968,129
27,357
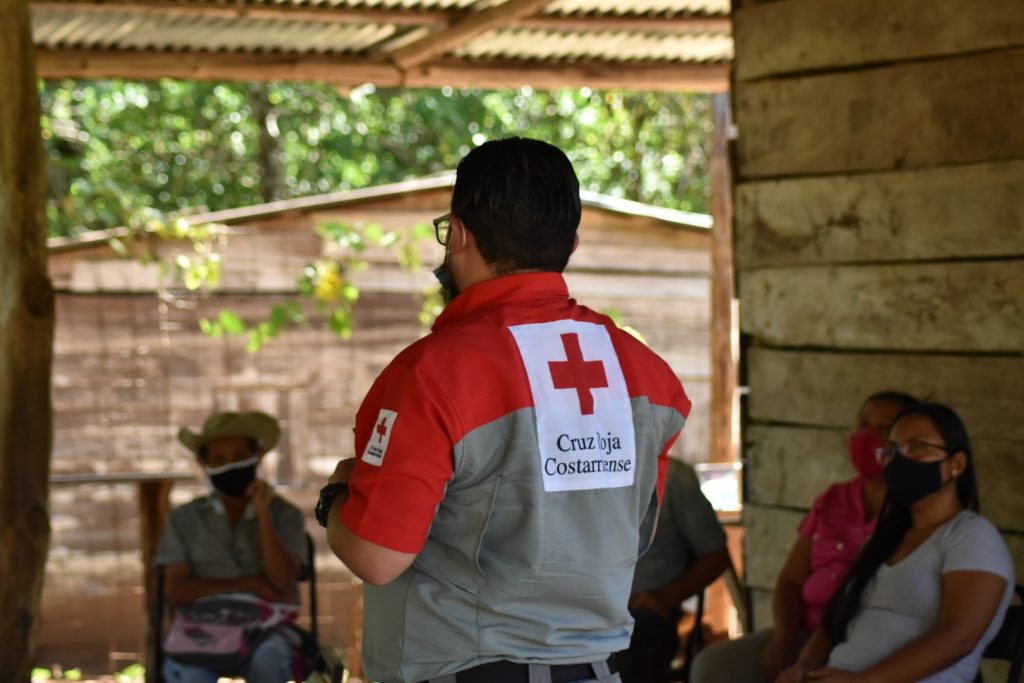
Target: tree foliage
120,148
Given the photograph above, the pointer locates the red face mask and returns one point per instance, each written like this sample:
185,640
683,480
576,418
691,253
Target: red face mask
866,450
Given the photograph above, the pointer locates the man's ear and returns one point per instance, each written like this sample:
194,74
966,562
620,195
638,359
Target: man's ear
460,236
575,242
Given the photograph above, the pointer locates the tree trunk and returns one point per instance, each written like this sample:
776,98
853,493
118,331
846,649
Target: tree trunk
26,348
271,182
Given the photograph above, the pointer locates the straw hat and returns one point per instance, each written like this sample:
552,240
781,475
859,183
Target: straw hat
252,425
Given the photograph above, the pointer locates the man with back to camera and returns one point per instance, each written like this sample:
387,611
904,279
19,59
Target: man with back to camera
510,464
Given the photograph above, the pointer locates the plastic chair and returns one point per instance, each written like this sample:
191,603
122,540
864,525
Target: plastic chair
307,576
1009,641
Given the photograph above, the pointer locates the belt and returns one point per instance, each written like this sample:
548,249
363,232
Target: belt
512,672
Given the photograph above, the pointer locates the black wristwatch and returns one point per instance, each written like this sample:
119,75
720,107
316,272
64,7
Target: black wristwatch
327,496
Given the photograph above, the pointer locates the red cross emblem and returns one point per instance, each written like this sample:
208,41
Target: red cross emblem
575,373
382,428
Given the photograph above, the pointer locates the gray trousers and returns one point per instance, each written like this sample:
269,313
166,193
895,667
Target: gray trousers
731,661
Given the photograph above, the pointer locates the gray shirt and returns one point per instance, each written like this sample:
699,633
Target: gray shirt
201,535
901,603
687,529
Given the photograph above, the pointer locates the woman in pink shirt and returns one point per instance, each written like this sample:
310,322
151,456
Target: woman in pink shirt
829,538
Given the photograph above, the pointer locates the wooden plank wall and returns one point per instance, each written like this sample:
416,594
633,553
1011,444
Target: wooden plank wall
879,237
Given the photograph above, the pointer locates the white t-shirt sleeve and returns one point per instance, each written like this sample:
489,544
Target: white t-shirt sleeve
974,544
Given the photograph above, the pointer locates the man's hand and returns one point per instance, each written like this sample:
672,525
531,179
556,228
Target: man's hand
260,492
265,590
794,674
779,653
830,675
650,601
342,471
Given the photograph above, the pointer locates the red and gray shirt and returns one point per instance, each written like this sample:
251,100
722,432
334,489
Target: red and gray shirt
520,450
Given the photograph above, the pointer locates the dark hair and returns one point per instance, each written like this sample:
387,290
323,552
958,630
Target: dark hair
894,521
254,448
903,399
521,200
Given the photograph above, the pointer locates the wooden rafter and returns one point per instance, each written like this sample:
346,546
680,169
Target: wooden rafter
349,72
459,33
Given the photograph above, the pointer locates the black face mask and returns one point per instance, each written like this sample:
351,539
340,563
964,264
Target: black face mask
232,480
443,273
909,480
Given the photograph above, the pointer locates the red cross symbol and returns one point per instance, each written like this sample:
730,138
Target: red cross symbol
382,428
575,373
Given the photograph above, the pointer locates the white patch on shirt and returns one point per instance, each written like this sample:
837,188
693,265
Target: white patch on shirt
584,415
380,436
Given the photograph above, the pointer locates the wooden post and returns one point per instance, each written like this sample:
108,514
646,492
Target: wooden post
723,364
154,506
26,349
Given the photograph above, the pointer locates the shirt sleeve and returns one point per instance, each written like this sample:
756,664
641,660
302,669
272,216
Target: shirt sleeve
695,516
974,544
405,431
172,549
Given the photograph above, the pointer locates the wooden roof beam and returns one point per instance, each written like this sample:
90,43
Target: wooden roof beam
647,75
461,32
347,72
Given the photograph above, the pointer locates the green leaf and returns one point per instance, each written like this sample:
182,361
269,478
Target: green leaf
230,321
209,328
119,247
340,323
280,315
193,276
254,343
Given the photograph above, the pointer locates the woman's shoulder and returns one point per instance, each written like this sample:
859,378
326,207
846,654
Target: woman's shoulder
969,523
841,494
970,541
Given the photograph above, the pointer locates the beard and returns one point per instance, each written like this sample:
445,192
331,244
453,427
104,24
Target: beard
443,273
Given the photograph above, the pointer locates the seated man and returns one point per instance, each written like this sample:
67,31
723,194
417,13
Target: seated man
242,538
688,553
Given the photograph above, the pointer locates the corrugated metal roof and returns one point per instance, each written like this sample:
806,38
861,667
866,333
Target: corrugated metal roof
136,31
621,7
614,46
391,40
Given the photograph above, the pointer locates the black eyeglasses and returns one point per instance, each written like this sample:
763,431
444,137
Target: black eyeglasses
443,229
913,448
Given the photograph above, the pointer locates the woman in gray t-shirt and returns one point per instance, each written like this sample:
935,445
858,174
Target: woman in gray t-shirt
929,590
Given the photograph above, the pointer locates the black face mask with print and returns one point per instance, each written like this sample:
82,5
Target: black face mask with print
233,480
909,480
443,273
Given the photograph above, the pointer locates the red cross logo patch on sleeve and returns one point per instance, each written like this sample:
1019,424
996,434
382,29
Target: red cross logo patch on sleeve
584,414
377,445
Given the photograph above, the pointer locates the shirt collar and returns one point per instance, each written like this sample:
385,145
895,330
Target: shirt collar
502,290
214,503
